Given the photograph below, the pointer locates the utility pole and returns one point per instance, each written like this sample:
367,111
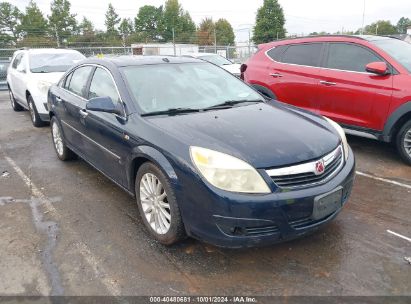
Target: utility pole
363,20
174,42
249,42
215,41
376,30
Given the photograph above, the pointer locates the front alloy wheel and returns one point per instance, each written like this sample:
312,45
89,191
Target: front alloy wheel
154,202
404,142
158,205
63,153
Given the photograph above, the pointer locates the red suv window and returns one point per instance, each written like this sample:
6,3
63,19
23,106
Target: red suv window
349,57
308,54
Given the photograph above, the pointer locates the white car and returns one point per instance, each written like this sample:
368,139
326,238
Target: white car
31,73
221,61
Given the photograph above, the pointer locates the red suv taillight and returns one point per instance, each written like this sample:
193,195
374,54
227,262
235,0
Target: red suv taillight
242,70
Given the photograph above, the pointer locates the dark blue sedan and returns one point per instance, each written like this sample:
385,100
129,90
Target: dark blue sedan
204,154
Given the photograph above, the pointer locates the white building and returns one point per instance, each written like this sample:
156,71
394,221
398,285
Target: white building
164,49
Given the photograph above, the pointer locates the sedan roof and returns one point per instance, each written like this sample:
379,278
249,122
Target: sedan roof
130,60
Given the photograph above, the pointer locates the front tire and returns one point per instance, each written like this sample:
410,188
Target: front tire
14,105
34,115
158,205
403,142
63,153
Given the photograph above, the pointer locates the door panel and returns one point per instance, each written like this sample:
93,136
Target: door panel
109,146
19,78
350,95
72,102
294,75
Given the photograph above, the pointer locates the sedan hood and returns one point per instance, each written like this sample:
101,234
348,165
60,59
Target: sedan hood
266,136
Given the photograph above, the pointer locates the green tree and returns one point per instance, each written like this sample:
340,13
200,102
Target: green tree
62,23
380,27
206,31
225,32
112,20
403,24
33,23
86,34
269,23
148,23
9,23
126,29
175,18
86,27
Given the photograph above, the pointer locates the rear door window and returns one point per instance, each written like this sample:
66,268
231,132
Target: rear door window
349,57
276,53
308,54
79,80
16,60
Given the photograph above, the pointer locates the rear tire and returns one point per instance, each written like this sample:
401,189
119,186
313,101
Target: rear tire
63,153
34,115
403,142
158,205
14,105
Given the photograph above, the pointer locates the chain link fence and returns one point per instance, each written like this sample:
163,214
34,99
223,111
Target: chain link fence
237,54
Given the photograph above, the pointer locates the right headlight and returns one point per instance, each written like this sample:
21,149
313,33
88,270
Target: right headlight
341,132
227,172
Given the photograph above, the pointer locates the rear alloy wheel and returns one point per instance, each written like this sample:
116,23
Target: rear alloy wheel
63,153
404,142
15,106
158,206
34,115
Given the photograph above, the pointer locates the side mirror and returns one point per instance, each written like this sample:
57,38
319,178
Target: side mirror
103,104
379,68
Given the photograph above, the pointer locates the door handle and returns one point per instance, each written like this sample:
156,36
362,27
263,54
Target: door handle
58,99
83,113
328,83
276,75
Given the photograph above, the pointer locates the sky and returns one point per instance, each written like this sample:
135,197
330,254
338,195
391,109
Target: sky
302,16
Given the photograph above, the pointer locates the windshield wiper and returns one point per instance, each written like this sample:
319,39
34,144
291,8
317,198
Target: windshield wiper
230,103
172,111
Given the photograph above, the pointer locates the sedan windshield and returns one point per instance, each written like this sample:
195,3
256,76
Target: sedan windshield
216,59
195,86
397,49
49,63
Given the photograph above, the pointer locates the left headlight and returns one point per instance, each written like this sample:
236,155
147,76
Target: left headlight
43,86
341,132
227,172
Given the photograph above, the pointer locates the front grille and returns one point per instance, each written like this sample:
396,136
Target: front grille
305,174
260,231
307,222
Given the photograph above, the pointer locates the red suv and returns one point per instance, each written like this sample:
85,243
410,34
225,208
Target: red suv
362,82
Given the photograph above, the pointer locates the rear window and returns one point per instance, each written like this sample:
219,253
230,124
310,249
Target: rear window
308,54
276,53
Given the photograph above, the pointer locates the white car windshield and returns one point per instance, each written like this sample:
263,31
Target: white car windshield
216,59
189,85
49,63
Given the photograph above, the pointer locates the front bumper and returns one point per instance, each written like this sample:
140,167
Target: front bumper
236,220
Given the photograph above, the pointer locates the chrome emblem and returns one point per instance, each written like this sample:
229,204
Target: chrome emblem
319,167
